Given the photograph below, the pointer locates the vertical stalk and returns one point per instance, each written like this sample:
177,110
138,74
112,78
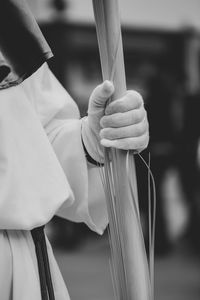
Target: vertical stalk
136,273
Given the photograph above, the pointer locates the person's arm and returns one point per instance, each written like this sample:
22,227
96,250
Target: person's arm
60,118
121,124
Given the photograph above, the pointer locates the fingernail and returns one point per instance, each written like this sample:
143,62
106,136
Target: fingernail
108,86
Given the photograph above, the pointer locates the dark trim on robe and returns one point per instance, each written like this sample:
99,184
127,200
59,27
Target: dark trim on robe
4,68
22,45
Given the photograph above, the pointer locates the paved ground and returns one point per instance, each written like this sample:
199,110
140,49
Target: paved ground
86,272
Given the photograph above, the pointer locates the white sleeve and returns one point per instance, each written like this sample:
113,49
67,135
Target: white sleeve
60,118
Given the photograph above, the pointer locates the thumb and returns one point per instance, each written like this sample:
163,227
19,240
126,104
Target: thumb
101,94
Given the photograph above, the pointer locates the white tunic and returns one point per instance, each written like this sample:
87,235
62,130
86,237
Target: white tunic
43,171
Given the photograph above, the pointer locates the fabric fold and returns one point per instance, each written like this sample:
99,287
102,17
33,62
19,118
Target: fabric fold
43,169
32,182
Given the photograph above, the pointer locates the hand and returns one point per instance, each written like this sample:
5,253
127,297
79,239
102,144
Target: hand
125,124
122,124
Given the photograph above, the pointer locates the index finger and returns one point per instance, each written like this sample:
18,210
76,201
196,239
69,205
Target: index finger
132,100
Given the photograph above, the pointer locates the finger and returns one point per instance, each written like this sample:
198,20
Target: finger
124,119
102,93
125,132
133,143
131,100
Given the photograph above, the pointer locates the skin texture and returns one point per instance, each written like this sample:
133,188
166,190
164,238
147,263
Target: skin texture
123,123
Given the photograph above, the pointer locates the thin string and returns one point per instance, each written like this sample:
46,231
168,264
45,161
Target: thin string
152,218
117,247
149,210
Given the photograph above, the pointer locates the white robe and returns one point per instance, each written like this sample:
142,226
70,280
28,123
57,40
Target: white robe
43,172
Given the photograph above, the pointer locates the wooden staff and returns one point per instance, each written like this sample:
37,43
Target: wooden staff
130,263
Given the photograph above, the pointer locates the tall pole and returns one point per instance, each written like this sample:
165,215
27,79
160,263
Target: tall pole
130,264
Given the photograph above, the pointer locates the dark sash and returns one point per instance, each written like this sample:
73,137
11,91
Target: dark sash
47,292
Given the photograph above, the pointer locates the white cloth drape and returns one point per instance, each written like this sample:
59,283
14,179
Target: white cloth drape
43,171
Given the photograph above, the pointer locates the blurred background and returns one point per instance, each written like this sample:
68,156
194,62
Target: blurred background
162,59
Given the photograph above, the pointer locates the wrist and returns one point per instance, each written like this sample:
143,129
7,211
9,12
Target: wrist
91,143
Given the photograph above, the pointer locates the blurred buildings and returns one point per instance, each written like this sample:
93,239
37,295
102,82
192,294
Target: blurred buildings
172,14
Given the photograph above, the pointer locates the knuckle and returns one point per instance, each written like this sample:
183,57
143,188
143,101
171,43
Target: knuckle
137,97
138,143
141,114
144,126
130,94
